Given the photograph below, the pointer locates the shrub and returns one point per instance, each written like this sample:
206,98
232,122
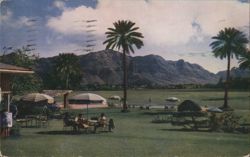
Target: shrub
227,122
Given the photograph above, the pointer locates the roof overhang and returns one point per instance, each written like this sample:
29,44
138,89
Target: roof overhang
16,71
7,68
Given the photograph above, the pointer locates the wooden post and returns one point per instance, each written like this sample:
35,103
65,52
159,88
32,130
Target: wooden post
65,100
8,102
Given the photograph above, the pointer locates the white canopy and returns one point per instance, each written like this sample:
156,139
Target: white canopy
115,97
37,97
214,109
173,99
88,96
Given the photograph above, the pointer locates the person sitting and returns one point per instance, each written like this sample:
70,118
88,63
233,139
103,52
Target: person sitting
101,122
68,122
81,122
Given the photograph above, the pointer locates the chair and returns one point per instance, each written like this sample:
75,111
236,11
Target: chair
23,121
68,123
42,121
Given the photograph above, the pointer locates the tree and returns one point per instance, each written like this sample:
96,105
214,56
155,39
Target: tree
68,70
245,60
124,36
228,43
21,83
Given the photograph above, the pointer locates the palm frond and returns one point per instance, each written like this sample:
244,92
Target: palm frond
228,42
123,35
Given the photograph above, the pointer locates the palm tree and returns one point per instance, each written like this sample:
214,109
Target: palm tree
245,60
228,43
124,36
67,68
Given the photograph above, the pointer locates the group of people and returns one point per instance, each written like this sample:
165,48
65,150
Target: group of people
81,122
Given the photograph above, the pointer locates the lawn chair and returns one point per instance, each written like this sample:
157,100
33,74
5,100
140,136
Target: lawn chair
42,121
68,123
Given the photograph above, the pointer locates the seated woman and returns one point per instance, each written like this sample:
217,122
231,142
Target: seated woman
81,122
102,122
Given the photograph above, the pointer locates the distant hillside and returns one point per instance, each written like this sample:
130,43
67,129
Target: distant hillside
105,67
235,72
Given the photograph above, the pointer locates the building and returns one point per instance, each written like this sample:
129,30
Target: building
6,73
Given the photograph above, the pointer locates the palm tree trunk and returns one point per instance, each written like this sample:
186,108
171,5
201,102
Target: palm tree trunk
227,83
67,81
125,107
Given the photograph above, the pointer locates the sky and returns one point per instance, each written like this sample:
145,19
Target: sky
173,29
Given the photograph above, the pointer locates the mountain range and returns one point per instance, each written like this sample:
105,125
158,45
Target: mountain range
235,72
105,68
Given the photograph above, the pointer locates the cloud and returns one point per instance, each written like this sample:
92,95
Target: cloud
6,16
59,4
171,28
161,22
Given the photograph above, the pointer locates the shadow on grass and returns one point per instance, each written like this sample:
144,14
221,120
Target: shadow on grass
63,132
221,99
153,113
30,126
185,130
57,132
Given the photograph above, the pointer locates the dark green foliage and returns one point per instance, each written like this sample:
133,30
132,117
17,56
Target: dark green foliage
227,122
189,105
245,60
123,36
215,122
21,83
231,121
67,71
46,70
240,83
228,43
26,83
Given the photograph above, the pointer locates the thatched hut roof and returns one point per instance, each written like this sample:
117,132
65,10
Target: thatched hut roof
189,105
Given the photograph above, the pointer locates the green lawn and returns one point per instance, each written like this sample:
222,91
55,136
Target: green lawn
135,135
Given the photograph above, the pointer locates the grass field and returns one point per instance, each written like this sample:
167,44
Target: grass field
135,135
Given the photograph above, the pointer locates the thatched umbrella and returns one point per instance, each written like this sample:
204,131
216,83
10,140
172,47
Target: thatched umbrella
189,105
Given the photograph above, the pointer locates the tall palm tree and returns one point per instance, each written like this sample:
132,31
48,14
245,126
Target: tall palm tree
245,60
67,68
124,36
228,43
